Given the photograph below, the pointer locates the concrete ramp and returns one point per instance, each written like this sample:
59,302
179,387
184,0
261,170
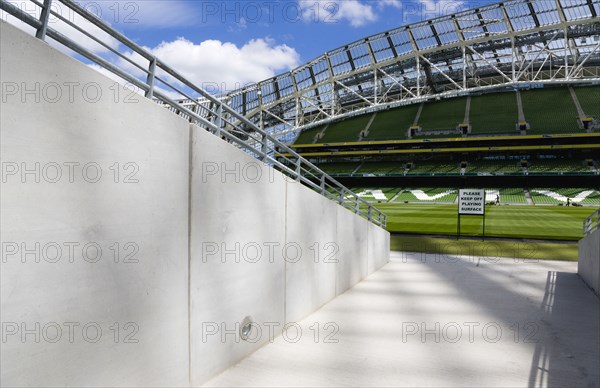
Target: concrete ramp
431,320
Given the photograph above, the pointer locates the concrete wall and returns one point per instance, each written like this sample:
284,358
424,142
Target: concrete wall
195,235
145,206
263,246
589,261
237,216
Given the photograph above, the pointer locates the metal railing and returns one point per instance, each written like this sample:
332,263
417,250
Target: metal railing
161,80
591,224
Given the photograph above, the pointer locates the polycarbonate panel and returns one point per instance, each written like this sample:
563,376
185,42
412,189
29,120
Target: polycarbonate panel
494,20
401,42
470,25
286,87
546,12
360,56
320,70
446,31
576,9
303,79
520,15
381,49
424,36
269,92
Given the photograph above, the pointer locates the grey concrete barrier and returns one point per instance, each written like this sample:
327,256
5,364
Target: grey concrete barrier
135,247
589,260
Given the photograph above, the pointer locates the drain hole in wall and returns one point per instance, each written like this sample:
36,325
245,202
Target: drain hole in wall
246,328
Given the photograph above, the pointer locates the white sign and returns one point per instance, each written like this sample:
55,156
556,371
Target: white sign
471,201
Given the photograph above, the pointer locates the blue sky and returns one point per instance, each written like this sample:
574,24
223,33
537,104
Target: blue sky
233,43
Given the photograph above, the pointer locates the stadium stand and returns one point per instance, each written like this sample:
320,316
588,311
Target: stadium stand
308,136
552,196
379,194
443,115
382,168
512,196
494,113
542,199
546,110
561,166
550,110
430,168
393,124
508,196
493,167
589,97
339,168
429,195
347,130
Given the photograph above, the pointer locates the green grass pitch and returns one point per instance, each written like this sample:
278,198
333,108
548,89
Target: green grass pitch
521,222
448,248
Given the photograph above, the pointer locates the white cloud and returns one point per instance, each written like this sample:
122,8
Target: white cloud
389,3
213,64
355,12
362,12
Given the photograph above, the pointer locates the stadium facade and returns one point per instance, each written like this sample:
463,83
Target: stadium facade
516,43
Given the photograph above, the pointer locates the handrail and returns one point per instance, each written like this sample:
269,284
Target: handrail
591,224
216,117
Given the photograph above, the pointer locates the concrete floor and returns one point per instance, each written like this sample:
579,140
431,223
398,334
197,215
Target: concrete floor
424,320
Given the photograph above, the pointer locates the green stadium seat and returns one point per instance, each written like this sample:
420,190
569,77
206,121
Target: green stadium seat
550,110
440,168
494,112
558,196
428,195
346,130
308,136
392,124
382,168
559,167
494,167
589,98
443,115
338,168
512,196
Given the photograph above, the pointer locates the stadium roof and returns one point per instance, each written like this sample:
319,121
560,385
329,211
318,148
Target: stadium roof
514,43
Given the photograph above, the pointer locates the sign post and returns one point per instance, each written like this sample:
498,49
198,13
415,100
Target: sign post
471,202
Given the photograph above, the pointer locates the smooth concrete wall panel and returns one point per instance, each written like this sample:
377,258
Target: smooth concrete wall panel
65,298
237,268
352,238
379,248
312,251
141,276
589,261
